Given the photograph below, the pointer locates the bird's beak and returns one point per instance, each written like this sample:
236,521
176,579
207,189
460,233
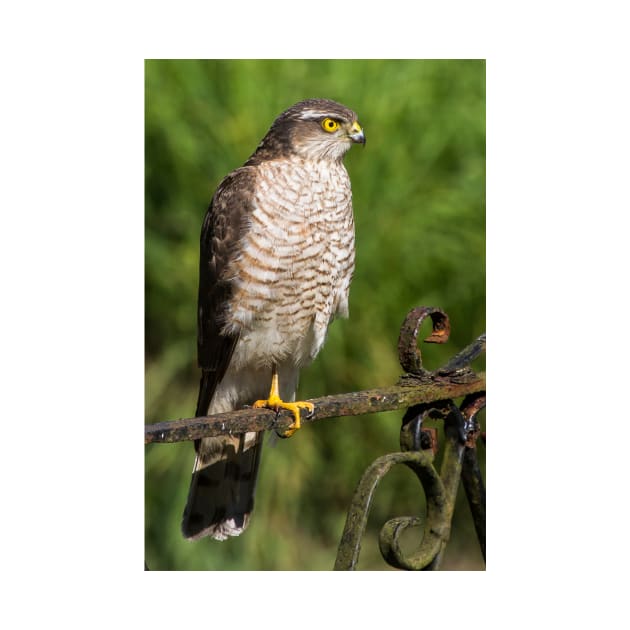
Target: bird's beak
357,134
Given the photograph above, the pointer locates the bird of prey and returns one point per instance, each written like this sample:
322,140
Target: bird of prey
276,260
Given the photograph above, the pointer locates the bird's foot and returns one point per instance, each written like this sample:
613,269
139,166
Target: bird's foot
276,403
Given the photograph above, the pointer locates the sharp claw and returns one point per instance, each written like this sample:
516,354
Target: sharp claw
276,405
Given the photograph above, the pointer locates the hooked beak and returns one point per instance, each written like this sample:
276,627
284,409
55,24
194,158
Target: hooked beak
357,134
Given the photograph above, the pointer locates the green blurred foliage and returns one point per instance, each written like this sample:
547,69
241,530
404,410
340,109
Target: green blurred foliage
419,201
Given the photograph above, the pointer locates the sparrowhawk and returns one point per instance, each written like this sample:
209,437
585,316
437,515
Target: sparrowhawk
276,260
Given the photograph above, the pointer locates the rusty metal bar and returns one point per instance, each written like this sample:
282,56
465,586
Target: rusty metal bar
476,494
409,392
450,473
472,479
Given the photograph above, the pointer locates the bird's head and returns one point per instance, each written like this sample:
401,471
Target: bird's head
317,129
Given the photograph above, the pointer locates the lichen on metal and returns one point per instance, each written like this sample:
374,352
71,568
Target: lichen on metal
418,446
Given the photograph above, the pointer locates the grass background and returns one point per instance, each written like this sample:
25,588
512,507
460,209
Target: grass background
419,200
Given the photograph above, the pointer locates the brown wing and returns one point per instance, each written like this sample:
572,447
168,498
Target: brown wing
223,228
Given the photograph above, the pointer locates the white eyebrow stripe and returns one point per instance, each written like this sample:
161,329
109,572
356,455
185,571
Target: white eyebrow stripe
310,114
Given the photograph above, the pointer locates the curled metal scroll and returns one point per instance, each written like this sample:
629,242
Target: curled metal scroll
408,352
472,479
421,462
440,491
419,444
455,431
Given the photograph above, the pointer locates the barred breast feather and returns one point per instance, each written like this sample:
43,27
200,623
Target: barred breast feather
296,260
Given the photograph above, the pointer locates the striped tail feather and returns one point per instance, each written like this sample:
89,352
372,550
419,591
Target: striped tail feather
221,495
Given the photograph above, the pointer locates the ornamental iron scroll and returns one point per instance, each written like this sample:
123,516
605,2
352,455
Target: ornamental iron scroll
419,445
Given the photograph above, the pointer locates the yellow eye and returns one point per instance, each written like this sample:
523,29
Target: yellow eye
330,125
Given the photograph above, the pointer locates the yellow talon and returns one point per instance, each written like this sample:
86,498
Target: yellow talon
276,403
